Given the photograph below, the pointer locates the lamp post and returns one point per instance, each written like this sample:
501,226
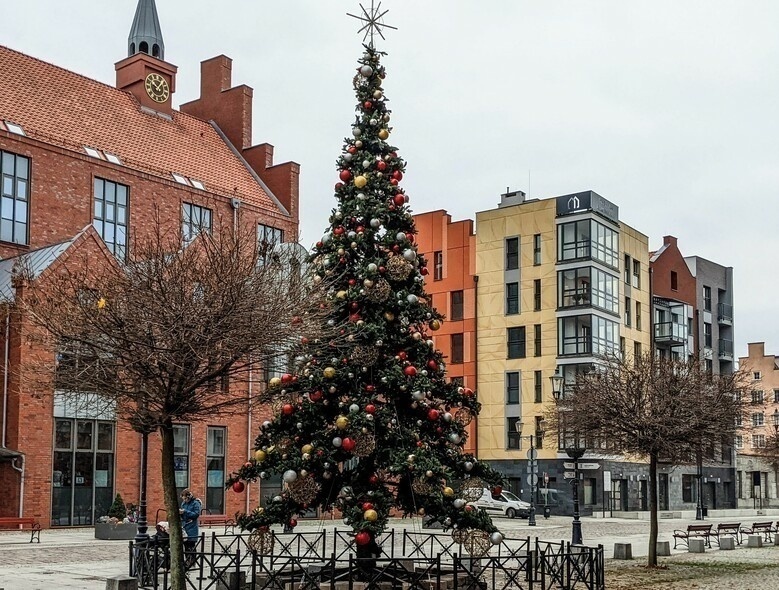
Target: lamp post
143,535
575,451
699,477
532,476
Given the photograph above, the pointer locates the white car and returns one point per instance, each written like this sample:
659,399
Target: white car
506,504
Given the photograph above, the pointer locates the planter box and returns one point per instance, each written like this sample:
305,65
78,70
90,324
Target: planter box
123,531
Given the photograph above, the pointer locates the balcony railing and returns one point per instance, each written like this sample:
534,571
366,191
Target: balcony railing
670,333
726,349
725,313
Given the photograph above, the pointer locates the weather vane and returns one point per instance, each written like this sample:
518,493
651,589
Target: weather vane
373,22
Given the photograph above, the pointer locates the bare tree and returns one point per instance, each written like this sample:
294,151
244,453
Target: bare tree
653,408
161,335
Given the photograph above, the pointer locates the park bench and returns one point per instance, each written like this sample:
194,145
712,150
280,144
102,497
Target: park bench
210,520
728,529
694,531
761,528
8,522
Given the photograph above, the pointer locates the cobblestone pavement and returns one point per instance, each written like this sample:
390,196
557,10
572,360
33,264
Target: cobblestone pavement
73,559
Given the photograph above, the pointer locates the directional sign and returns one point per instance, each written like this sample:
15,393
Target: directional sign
532,467
532,479
569,475
587,466
569,465
532,454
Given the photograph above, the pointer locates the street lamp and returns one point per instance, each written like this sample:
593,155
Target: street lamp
575,451
533,476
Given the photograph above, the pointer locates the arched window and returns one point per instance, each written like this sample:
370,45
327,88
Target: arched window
155,50
132,48
144,47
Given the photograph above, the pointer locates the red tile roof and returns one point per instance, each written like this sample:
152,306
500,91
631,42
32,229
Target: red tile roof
62,108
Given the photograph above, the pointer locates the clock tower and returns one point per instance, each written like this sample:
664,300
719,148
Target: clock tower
144,73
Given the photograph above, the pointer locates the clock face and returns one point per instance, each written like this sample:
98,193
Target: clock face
157,88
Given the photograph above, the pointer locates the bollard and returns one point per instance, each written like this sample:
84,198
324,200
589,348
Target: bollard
663,548
121,583
754,541
727,544
697,546
623,551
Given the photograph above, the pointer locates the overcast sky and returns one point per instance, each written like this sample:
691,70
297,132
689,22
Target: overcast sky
668,108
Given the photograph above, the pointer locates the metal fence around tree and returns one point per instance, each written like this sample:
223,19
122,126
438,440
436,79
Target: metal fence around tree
410,560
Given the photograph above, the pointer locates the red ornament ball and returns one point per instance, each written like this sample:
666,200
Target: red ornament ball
497,491
370,409
423,271
467,392
410,371
293,523
382,269
373,480
238,487
338,231
410,237
433,414
367,506
352,282
381,165
348,444
286,377
345,175
339,186
319,245
367,105
402,355
432,365
352,150
399,199
394,182
315,396
468,508
397,175
287,409
362,538
370,388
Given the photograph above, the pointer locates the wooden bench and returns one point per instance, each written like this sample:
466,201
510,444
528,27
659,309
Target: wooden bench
218,520
761,528
8,522
694,531
728,529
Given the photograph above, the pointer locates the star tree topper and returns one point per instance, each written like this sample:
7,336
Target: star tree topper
373,22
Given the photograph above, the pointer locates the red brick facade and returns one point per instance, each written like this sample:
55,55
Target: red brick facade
71,113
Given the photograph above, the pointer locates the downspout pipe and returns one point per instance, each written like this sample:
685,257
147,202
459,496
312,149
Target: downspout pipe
476,355
21,484
249,445
5,373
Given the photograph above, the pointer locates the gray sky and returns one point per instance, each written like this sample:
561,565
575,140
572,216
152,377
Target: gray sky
667,108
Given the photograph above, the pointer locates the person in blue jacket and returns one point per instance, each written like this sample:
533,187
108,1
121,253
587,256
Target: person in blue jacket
190,513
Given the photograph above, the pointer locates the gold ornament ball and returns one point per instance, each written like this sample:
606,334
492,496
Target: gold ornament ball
341,295
307,448
370,515
329,372
421,512
389,316
360,181
384,134
260,456
342,423
275,382
260,510
435,325
448,492
417,336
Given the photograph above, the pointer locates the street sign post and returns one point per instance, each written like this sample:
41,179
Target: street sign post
569,475
588,466
532,454
569,465
532,480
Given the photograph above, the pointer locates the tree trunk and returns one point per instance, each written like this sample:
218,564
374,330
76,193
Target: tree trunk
177,581
652,558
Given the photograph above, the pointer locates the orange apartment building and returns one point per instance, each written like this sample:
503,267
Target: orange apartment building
450,249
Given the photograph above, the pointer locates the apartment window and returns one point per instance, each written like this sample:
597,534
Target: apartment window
110,219
512,298
181,456
514,441
512,253
537,340
586,334
537,249
709,366
636,351
574,240
707,298
14,208
438,265
757,396
195,219
707,334
674,281
516,342
578,287
758,419
739,422
512,387
539,433
739,441
538,388
776,417
689,489
537,295
269,235
628,311
776,396
626,269
638,315
758,441
457,349
637,274
757,376
457,305
216,443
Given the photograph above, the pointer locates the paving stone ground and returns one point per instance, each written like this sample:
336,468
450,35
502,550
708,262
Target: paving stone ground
73,559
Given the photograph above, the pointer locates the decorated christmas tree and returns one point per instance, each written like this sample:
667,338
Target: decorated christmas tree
368,423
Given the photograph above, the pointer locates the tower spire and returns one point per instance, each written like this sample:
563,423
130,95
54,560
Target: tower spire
146,34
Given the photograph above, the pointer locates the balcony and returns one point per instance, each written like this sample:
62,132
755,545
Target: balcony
725,314
726,350
669,334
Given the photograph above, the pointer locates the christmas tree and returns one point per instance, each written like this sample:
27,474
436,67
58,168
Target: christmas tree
368,423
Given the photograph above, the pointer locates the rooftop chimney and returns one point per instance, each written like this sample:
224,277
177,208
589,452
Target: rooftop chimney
510,198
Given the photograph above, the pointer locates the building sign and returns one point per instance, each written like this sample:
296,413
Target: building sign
587,201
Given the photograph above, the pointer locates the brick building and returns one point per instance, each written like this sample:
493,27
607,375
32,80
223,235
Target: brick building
449,247
86,166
